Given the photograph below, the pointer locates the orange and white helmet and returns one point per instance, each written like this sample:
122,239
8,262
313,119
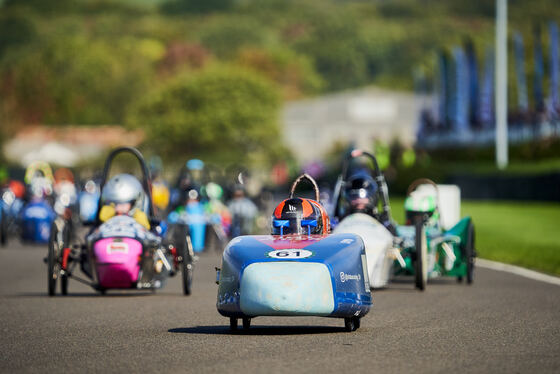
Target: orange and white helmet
300,216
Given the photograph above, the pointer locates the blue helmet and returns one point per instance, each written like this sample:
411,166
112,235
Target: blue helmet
361,193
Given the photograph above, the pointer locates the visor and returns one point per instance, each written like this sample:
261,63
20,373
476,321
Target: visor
293,226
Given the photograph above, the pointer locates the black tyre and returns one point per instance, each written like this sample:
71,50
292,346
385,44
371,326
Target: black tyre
421,263
470,253
66,235
58,240
246,323
53,266
179,237
210,238
232,323
350,324
187,267
3,230
64,284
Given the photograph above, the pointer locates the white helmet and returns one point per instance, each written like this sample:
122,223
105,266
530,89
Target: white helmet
123,188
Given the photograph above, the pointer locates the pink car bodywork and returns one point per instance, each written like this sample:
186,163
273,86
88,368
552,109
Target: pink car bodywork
117,262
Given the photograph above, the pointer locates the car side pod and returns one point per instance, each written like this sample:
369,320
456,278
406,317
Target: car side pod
317,275
378,243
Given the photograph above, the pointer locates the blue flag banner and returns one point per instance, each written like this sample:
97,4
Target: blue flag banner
539,72
486,103
521,78
554,66
442,89
460,91
473,82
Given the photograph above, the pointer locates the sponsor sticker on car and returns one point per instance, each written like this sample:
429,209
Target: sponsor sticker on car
117,247
345,277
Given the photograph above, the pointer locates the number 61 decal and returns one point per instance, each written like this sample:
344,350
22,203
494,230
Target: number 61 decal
290,254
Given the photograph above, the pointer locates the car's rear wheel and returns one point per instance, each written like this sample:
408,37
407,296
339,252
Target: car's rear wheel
180,239
421,262
66,234
187,266
64,284
53,265
232,323
470,253
3,229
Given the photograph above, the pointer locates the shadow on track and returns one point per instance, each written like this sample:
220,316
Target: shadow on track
258,330
406,284
403,287
80,294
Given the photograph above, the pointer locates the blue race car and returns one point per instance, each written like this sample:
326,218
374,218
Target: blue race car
299,270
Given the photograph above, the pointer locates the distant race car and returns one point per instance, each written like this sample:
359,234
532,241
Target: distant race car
119,252
446,247
295,273
11,204
37,215
367,222
429,245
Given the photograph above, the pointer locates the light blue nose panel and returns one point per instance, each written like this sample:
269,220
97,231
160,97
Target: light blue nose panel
286,288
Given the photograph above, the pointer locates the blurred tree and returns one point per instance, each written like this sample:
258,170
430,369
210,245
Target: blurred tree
15,30
180,55
73,80
293,72
222,113
53,6
337,49
224,36
196,6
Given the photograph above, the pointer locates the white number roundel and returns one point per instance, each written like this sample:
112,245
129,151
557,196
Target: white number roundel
289,254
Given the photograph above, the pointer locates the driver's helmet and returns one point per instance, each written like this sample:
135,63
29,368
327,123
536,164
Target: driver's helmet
421,202
156,166
214,191
40,187
300,216
125,193
195,168
361,194
63,175
64,186
17,188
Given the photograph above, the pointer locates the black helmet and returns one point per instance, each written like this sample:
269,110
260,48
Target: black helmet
361,194
299,216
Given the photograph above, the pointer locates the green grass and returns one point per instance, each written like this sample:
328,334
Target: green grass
519,233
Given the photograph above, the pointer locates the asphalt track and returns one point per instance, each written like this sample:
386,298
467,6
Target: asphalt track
502,324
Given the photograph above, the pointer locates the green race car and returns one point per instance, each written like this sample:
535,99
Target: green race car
431,246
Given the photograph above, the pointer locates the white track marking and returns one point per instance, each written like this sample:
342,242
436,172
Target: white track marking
518,271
